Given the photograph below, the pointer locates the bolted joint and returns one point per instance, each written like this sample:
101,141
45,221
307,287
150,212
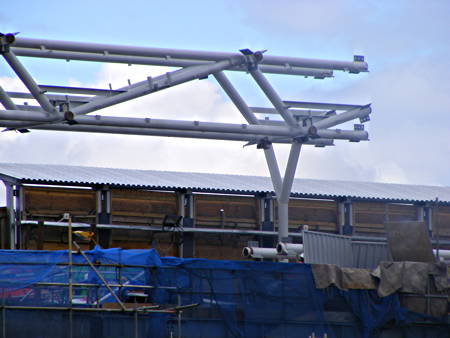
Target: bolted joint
252,58
5,41
263,144
69,117
312,131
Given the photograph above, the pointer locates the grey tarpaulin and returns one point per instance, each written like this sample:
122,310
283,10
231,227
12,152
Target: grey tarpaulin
411,277
343,278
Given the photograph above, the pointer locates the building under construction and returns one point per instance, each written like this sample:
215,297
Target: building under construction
97,252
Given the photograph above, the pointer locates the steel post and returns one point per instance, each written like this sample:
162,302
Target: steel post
289,175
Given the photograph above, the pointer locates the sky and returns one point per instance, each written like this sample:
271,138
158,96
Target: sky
406,44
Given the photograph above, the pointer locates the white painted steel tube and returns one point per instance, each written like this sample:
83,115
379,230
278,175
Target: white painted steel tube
283,221
269,253
289,248
350,66
321,105
343,117
28,81
339,134
151,132
156,84
6,100
167,62
237,99
289,175
132,122
274,170
273,96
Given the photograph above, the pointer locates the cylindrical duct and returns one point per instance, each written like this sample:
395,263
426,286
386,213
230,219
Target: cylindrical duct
270,253
289,249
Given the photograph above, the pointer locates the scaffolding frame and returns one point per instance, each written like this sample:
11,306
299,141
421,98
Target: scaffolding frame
302,123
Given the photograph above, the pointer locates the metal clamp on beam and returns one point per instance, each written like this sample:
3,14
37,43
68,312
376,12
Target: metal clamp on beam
252,58
264,144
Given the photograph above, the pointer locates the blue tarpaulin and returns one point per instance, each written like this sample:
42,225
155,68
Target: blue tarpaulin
236,298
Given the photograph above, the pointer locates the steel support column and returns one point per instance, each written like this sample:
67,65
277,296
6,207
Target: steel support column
266,208
12,217
104,236
187,249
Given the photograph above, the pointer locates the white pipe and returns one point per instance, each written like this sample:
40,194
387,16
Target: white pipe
260,253
289,248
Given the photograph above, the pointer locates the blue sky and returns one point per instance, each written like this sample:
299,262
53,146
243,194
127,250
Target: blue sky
406,43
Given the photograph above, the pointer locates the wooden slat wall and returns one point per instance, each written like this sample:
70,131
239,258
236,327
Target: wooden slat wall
442,221
239,211
319,215
220,246
141,207
51,203
369,217
136,207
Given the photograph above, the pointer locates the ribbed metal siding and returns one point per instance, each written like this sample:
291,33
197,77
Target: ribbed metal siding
367,255
322,248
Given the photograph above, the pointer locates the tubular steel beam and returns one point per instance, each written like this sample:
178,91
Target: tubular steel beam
155,132
28,81
6,101
167,62
351,66
321,105
343,117
158,83
52,97
79,90
272,95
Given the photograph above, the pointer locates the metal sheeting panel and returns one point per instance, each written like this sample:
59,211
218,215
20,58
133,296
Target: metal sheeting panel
367,255
234,184
322,248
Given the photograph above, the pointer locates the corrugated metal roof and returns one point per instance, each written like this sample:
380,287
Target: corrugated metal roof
237,184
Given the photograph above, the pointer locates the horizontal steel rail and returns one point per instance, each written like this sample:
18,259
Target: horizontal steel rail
86,47
167,62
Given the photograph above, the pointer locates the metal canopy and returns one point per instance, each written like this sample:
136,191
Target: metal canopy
303,123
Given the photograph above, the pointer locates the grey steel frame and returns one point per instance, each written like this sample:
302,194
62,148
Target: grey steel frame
303,123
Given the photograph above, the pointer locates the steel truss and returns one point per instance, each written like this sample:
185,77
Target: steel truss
303,123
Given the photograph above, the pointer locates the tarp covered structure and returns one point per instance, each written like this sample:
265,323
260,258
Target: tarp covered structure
236,298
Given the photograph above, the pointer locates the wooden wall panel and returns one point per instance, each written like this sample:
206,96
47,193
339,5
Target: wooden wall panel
220,246
51,203
369,217
317,214
442,221
141,207
239,211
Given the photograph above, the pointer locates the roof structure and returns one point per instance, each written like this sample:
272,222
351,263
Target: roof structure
217,183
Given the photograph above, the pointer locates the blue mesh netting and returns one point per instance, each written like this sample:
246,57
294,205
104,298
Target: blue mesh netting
236,298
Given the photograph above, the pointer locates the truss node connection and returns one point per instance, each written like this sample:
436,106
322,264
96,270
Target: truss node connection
63,108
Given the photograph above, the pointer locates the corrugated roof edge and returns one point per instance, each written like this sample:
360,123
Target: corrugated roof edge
219,190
